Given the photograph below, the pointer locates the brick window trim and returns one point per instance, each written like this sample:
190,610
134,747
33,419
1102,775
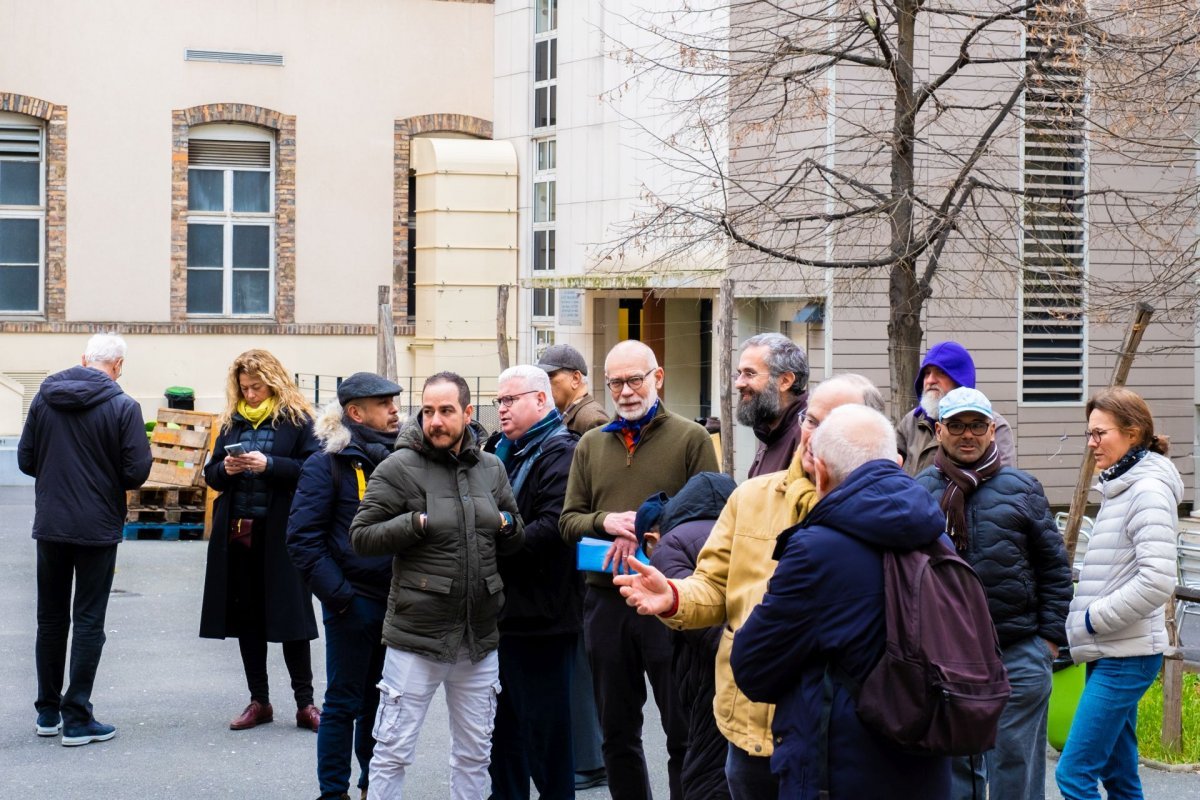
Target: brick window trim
54,289
284,126
405,130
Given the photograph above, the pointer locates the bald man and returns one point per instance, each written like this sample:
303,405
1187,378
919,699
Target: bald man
644,450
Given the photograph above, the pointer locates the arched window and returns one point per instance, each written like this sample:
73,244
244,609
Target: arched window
22,213
230,221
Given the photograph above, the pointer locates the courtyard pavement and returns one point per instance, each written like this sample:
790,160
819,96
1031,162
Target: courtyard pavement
171,696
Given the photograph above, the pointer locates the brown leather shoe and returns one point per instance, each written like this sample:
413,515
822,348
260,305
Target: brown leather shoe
255,714
309,717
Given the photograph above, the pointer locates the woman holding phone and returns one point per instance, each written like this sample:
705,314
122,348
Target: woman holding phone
251,589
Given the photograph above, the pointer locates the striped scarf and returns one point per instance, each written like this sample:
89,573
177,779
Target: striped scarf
963,480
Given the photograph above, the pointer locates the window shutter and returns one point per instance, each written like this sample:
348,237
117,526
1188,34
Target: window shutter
225,153
20,142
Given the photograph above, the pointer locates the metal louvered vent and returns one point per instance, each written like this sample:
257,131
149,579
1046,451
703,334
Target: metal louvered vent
1053,252
31,381
230,57
225,153
20,142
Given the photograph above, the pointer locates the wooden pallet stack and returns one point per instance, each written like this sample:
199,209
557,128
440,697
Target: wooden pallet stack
174,503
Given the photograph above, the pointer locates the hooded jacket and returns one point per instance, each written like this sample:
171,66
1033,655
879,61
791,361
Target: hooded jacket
686,522
85,443
915,437
318,532
1018,553
731,576
825,605
446,590
1128,571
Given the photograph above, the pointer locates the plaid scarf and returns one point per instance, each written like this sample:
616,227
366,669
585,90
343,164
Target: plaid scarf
963,479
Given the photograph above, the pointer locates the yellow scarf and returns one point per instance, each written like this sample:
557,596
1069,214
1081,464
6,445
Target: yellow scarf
255,416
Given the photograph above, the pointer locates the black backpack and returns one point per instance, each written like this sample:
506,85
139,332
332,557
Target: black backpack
940,686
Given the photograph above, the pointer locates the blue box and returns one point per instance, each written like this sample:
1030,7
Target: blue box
590,552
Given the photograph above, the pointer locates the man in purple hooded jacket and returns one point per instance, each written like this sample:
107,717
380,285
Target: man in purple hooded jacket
946,366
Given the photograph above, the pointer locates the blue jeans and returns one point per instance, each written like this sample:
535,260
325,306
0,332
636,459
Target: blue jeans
91,570
750,777
1102,745
353,665
1016,767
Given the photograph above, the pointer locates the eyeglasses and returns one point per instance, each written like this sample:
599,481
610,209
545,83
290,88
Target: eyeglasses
979,427
507,400
807,421
1094,435
747,375
617,385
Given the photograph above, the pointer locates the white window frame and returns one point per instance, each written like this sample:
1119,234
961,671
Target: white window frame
544,179
549,84
36,212
228,219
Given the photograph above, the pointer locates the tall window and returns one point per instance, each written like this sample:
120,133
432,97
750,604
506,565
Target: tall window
1053,250
544,185
545,64
22,215
231,221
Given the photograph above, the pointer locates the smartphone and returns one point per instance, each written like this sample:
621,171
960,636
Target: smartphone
237,449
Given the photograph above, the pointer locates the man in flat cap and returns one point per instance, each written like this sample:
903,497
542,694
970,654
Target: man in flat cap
568,381
357,432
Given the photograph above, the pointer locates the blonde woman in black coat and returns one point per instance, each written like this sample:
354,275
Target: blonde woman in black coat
251,589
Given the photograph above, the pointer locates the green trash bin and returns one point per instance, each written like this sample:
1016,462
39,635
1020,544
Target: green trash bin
180,397
1066,689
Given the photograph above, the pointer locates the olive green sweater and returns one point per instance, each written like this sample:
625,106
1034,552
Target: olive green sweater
606,478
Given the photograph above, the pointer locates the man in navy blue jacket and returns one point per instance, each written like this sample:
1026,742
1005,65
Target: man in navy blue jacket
543,608
85,443
825,606
357,433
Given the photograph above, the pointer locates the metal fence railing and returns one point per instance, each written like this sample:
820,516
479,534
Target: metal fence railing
322,389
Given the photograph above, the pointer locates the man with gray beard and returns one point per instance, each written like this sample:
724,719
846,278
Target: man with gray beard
772,383
946,366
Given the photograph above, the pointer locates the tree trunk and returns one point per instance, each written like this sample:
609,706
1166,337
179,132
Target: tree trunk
904,337
904,292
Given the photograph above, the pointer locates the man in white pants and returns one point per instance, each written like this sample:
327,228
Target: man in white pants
444,510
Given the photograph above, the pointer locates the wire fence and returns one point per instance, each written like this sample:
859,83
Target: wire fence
322,389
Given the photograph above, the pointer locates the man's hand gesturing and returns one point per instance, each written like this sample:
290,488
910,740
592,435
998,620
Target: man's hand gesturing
645,588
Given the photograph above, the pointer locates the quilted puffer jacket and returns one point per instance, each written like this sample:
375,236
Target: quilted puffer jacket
1018,553
1129,570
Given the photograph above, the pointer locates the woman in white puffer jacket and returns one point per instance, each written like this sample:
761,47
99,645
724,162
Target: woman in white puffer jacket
1116,620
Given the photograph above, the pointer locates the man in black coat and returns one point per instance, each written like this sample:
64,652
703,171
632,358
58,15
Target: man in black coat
85,444
684,524
357,433
999,520
543,613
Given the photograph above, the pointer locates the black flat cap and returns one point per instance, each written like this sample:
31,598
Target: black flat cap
562,356
366,384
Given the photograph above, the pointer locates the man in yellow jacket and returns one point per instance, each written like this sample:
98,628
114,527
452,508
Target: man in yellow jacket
731,577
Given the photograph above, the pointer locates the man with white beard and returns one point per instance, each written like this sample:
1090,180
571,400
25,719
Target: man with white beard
946,366
644,450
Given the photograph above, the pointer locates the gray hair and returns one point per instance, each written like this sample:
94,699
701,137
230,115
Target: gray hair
105,348
783,355
872,398
851,436
535,378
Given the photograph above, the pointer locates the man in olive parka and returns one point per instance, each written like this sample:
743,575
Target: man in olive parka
444,510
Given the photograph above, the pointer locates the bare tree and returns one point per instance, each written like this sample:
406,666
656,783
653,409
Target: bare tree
980,145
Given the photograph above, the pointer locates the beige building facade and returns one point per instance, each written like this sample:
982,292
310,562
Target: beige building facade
209,177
